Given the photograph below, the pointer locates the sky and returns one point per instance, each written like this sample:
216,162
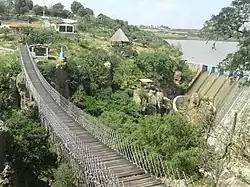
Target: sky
173,13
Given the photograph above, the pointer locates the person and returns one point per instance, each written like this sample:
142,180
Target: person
213,47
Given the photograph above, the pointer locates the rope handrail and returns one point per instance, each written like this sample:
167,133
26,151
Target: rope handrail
153,164
78,150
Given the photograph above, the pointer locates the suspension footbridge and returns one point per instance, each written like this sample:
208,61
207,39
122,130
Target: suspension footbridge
103,158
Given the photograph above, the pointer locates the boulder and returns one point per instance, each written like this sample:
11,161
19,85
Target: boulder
23,91
177,77
62,82
235,174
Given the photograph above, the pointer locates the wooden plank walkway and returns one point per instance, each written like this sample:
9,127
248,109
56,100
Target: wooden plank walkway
126,171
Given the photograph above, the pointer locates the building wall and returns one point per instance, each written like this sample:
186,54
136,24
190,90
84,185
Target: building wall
65,28
39,52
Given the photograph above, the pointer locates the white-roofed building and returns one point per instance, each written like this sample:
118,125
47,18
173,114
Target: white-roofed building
63,25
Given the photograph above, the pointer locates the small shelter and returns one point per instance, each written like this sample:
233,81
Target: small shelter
39,50
146,83
119,38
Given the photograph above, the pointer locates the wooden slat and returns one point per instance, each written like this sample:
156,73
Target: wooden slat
125,170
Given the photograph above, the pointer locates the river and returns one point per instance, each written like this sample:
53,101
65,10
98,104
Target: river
198,51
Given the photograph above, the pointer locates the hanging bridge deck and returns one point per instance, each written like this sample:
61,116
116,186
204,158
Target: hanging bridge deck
125,170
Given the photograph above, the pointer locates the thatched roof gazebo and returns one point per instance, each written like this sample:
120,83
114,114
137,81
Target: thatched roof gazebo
119,38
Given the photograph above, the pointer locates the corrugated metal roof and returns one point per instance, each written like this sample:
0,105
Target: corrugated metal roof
69,21
201,52
39,45
23,24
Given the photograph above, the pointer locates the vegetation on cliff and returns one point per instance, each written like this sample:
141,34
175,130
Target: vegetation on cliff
102,79
28,152
9,69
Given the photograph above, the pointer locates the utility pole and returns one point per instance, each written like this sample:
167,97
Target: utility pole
44,8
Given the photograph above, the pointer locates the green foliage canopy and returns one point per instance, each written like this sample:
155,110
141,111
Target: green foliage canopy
127,74
40,36
38,10
172,138
22,6
64,176
231,22
29,150
75,6
9,69
90,72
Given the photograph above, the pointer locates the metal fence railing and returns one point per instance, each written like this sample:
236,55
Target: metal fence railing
150,163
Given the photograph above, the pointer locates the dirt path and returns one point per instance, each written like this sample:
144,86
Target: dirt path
6,50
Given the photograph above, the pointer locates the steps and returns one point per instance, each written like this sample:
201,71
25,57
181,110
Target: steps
208,84
226,99
198,84
226,89
215,88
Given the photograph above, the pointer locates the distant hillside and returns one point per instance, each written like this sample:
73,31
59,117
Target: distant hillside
168,33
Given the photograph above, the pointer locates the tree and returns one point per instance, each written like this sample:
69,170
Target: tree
38,10
29,3
230,22
6,6
21,6
81,11
57,9
41,36
75,6
91,72
8,92
29,151
2,8
64,176
181,144
157,66
65,14
89,11
127,74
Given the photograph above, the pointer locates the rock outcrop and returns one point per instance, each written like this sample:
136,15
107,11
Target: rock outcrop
62,82
235,174
26,98
152,100
177,77
13,95
198,110
236,171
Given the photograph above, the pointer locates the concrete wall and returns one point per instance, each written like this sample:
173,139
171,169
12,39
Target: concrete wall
195,67
177,102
